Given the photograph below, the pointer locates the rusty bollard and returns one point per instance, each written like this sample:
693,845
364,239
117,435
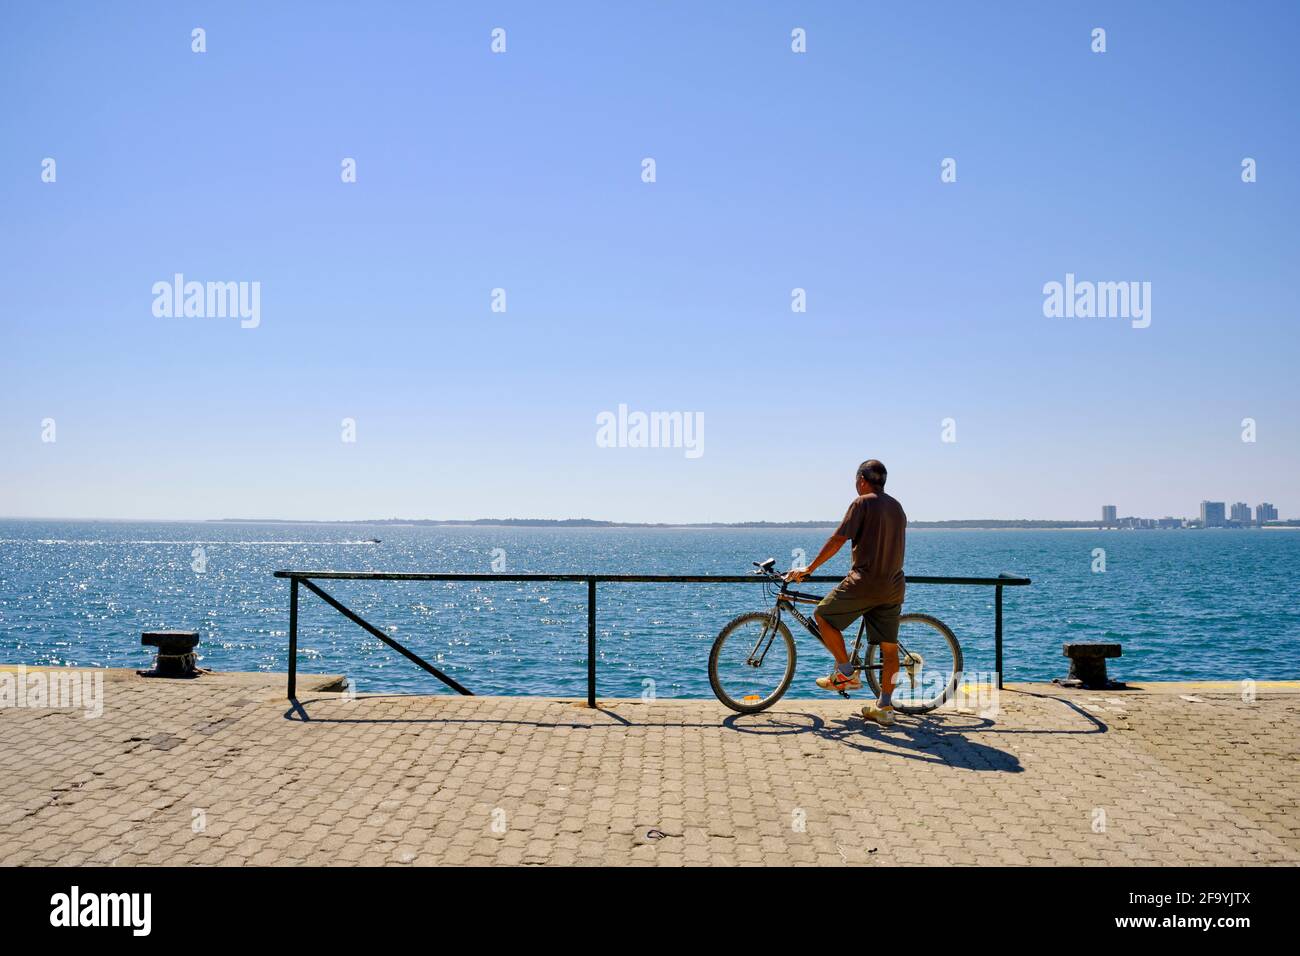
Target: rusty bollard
1088,665
176,657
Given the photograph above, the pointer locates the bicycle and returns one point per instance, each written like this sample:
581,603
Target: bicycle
746,657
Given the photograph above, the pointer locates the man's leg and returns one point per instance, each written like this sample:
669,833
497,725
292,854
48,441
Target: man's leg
832,638
888,673
842,678
882,627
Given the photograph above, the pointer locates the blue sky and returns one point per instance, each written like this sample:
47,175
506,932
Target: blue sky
522,171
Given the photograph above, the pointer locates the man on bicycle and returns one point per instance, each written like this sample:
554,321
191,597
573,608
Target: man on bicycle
877,526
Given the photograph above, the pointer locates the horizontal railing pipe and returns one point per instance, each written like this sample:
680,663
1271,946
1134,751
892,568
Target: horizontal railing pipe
305,578
1009,580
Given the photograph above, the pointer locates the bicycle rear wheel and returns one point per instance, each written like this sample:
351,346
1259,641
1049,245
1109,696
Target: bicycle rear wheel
752,662
929,664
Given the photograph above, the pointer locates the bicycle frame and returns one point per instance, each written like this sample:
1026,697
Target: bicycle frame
790,599
912,665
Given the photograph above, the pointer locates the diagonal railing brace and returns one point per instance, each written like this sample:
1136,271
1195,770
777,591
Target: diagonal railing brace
362,622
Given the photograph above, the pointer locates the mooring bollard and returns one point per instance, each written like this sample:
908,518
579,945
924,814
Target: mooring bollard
1088,665
176,657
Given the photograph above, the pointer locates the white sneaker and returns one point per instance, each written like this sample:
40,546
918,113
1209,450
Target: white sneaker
881,715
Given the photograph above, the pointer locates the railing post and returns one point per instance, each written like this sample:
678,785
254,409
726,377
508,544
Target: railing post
293,638
997,631
591,642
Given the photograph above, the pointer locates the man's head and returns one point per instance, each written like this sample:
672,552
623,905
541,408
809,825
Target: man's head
871,476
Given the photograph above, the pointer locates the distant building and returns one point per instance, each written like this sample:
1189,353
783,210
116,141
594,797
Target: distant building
1134,522
1265,512
1108,513
1240,513
1212,514
1169,523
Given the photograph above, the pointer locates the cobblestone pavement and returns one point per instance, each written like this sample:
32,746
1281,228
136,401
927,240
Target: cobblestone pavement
217,771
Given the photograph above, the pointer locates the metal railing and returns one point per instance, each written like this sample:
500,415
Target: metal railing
306,579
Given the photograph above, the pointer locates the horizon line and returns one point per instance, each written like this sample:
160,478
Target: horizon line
583,522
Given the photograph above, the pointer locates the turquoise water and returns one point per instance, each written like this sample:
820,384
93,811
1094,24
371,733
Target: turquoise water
1185,604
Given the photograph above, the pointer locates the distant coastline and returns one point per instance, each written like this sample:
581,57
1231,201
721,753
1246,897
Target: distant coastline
968,524
957,524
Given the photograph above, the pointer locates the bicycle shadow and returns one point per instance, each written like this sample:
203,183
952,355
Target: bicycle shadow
939,738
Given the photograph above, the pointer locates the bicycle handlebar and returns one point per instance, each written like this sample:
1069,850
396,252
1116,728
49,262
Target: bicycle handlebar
765,570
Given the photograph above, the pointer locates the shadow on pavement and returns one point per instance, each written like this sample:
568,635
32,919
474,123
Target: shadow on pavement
937,738
942,737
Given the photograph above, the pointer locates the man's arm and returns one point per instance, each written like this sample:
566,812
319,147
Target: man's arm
828,551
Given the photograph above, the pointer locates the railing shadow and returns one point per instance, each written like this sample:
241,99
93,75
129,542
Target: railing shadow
1097,722
937,722
298,712
941,737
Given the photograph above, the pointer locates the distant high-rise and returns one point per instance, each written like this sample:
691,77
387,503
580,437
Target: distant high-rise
1108,514
1212,514
1265,512
1240,512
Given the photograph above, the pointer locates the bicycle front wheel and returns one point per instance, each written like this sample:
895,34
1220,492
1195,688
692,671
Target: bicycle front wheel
929,664
752,662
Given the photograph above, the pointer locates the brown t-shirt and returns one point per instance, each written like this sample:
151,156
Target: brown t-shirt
877,525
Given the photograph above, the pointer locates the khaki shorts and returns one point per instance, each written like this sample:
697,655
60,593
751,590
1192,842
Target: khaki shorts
841,612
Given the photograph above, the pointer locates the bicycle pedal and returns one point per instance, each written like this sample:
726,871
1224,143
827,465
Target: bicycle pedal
844,694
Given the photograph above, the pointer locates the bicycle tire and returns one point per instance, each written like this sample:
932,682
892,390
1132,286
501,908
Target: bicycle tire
873,676
734,624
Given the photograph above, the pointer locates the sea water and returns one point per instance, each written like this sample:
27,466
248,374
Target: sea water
1186,604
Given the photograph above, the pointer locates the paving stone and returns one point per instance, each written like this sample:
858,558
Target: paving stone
404,780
